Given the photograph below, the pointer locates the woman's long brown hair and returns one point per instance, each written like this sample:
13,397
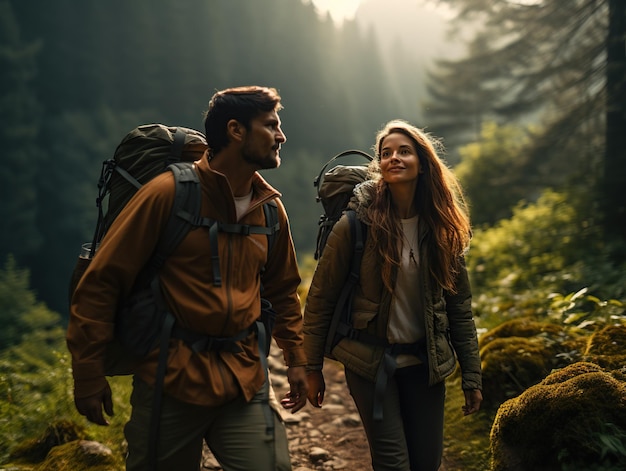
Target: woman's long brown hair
440,205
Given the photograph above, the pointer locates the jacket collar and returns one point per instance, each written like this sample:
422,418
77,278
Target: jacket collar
262,191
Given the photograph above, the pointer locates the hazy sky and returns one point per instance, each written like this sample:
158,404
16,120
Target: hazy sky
338,9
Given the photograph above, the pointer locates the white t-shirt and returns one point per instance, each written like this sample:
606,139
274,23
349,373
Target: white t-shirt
406,322
242,203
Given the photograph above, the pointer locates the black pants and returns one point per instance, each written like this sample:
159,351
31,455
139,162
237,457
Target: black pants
410,436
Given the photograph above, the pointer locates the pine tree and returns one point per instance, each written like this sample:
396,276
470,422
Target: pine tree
20,113
560,62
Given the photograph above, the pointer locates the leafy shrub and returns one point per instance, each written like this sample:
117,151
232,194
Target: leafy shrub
20,313
492,172
35,372
540,240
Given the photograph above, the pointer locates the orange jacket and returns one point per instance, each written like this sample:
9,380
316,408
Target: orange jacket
208,378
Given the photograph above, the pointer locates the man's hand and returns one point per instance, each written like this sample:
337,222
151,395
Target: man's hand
317,387
295,399
91,406
473,398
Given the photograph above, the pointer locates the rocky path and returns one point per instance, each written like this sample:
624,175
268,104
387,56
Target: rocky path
330,438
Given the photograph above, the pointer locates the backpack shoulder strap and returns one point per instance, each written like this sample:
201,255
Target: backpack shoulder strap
341,320
187,199
186,208
271,221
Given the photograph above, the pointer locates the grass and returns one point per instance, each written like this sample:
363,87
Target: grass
466,438
36,393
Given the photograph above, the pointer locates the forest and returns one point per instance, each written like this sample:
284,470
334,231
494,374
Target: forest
533,116
78,76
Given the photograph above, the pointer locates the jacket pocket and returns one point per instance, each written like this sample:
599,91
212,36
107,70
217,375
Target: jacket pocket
442,337
363,310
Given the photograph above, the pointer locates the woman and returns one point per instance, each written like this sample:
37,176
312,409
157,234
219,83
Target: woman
412,303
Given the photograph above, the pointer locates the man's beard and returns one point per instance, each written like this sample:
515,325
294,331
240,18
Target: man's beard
265,161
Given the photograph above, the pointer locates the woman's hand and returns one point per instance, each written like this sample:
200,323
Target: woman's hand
473,398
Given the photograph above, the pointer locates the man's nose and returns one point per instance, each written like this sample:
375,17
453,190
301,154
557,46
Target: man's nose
280,136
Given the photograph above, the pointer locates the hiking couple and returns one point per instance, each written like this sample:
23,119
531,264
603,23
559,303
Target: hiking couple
212,284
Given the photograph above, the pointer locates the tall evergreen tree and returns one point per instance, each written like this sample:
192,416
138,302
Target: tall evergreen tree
553,57
21,114
459,103
615,160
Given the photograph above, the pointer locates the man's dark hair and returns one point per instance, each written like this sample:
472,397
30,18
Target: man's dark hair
242,104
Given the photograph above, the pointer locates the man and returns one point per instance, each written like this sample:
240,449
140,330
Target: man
215,395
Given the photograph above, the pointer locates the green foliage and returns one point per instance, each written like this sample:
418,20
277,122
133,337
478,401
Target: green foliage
540,241
36,391
20,313
34,388
530,60
35,371
611,442
466,438
492,173
556,62
584,310
520,266
521,352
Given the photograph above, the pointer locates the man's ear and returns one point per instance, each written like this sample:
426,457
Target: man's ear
236,131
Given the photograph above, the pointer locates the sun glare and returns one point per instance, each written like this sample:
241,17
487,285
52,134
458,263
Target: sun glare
339,10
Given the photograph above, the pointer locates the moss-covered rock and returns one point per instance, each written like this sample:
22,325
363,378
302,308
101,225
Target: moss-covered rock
511,365
57,433
520,353
575,419
79,455
522,327
607,347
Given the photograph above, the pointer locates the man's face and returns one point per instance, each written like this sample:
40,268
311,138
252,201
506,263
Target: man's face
262,142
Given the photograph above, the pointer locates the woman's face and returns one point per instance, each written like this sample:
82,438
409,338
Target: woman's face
399,162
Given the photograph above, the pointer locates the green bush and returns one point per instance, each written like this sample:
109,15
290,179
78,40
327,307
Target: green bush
540,240
492,172
20,313
36,387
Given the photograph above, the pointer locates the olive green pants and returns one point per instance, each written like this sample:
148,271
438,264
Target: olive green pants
236,433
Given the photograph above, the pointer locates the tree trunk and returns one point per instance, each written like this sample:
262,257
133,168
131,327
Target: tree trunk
614,188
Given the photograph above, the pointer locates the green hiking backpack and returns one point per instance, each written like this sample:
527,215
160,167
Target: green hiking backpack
143,153
335,188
